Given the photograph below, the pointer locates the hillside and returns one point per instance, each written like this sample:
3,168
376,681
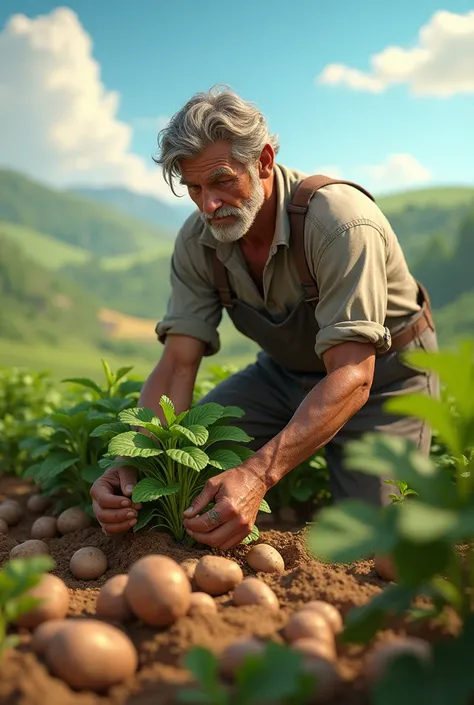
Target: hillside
145,208
76,221
44,249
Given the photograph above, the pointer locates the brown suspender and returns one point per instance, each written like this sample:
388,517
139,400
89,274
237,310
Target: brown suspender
297,210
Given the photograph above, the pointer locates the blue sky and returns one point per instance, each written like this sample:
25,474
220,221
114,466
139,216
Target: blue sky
155,55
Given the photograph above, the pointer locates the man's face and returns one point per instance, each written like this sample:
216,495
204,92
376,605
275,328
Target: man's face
228,195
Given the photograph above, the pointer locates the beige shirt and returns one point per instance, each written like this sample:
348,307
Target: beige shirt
365,287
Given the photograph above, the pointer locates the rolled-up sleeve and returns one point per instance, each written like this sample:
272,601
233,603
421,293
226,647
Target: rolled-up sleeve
352,280
194,307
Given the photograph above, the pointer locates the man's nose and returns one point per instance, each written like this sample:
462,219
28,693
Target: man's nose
210,203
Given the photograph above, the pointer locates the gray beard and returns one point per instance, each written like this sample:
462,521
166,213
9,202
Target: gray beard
245,216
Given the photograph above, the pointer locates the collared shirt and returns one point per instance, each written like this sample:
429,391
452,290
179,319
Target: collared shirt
365,287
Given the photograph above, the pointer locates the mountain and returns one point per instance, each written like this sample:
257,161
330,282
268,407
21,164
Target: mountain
76,221
144,208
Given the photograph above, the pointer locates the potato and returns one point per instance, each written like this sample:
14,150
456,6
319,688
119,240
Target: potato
44,528
315,648
331,613
73,519
91,655
201,603
382,654
265,559
308,624
11,512
88,563
217,575
54,604
38,503
234,654
328,680
3,527
43,634
111,603
253,591
32,547
158,590
385,568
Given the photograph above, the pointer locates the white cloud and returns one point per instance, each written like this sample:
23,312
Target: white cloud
396,172
58,121
441,64
329,170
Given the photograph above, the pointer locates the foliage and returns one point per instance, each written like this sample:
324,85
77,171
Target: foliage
275,676
175,458
67,456
16,578
422,536
308,481
24,397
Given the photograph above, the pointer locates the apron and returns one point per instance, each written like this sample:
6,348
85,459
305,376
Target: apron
290,343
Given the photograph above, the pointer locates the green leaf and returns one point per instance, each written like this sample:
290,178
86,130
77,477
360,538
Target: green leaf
352,530
433,411
108,373
138,415
243,452
133,444
191,457
302,492
223,459
91,473
270,677
84,382
196,434
250,538
416,563
264,507
149,489
232,412
362,623
56,463
114,404
204,666
121,372
421,523
202,415
106,429
145,515
227,433
131,386
168,409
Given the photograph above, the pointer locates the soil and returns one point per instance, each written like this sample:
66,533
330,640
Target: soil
24,680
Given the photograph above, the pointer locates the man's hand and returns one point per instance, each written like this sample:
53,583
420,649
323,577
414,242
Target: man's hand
237,494
113,510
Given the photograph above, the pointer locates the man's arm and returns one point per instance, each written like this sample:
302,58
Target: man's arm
325,410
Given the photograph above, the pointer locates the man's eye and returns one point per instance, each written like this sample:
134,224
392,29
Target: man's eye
226,182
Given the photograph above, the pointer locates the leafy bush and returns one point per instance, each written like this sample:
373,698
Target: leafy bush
67,455
423,535
174,459
16,578
25,397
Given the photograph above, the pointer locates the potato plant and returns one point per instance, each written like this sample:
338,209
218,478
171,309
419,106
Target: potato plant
67,460
276,675
17,577
174,459
422,535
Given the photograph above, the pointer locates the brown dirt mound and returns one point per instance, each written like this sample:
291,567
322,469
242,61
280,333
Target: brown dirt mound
24,680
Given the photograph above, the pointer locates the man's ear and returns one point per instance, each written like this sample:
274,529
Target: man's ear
266,161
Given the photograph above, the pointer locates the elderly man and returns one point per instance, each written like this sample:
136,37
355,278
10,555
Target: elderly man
314,274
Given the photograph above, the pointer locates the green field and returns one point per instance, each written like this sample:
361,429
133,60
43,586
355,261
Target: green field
46,250
442,197
124,262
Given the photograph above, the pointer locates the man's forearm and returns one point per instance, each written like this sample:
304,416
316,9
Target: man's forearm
321,415
177,384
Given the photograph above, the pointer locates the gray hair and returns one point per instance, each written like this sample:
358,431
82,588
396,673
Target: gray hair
209,117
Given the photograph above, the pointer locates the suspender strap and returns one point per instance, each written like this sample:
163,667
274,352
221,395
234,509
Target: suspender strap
297,210
221,280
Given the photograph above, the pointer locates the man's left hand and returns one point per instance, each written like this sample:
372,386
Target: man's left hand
237,494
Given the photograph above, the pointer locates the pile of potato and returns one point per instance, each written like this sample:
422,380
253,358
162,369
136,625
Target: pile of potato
95,654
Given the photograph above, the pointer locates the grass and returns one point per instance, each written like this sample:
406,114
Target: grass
124,262
44,249
441,197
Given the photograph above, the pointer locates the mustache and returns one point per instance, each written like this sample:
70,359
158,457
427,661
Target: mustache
221,212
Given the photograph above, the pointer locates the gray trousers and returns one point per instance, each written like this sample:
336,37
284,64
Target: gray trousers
271,395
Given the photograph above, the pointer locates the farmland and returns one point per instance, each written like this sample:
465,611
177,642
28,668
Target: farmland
57,438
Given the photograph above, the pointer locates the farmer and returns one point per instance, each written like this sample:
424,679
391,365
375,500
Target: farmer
328,298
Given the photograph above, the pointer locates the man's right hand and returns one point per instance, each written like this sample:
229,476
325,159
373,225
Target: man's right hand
110,499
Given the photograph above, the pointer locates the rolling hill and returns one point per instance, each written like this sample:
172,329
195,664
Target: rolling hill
99,229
